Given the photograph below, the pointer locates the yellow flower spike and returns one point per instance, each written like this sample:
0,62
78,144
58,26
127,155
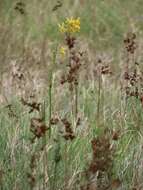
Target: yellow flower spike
63,51
73,25
70,25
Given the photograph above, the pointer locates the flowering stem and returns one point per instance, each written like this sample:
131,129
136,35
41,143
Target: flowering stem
99,100
50,105
50,89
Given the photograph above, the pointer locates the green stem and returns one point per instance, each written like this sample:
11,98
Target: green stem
50,106
76,101
43,116
98,103
50,88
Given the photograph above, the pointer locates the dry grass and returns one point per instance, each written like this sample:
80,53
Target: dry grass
71,122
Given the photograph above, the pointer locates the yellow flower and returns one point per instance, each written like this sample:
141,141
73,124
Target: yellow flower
63,51
70,25
73,25
62,28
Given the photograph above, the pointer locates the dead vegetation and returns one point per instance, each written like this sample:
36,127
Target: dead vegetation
70,114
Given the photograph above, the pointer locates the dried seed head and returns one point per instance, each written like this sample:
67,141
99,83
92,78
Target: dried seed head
130,43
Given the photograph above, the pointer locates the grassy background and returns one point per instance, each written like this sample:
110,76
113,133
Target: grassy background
104,23
103,26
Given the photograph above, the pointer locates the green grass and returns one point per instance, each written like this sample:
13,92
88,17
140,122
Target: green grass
29,40
103,22
16,148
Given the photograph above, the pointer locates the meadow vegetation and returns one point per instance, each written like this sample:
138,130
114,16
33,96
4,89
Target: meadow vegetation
71,95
